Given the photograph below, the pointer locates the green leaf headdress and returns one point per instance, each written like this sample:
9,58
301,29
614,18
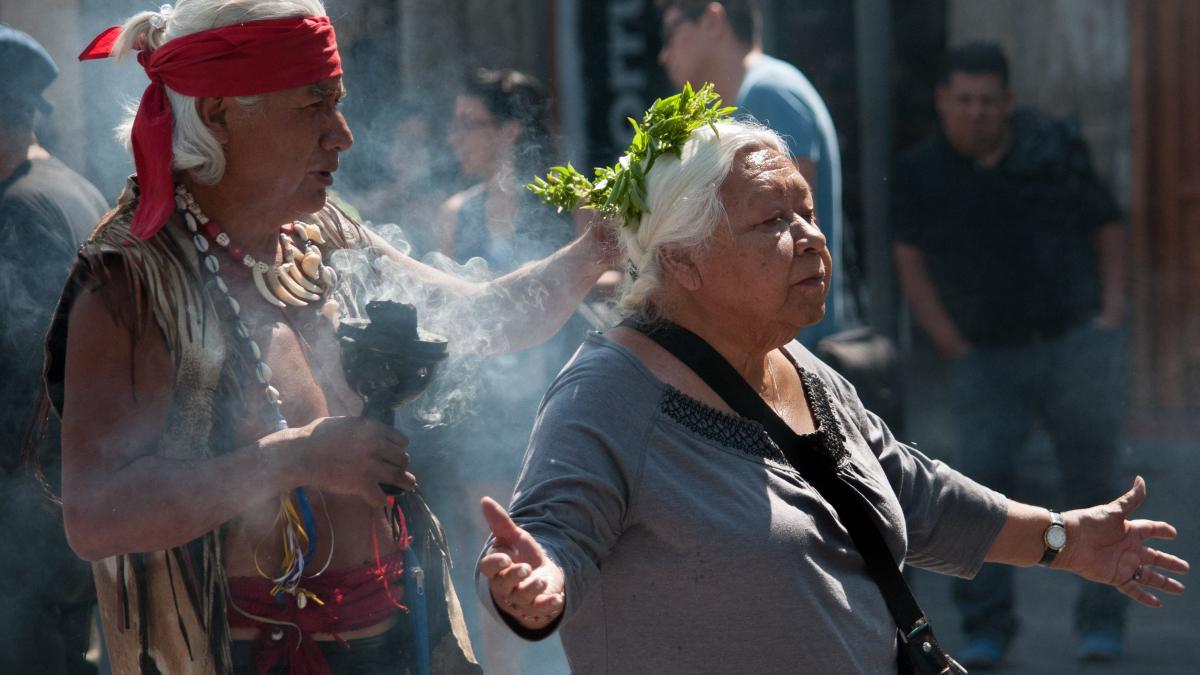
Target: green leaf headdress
620,190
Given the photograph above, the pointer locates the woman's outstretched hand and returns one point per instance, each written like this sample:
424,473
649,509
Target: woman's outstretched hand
1104,545
525,583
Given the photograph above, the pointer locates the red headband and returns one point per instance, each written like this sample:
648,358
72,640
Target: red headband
239,60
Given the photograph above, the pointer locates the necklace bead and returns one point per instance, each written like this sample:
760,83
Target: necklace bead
296,293
263,371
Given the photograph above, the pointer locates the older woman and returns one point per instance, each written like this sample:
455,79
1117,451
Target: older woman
665,533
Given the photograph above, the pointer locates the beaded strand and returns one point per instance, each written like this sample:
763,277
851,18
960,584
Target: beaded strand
295,515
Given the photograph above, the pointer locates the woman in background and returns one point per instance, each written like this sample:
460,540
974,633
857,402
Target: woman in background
500,135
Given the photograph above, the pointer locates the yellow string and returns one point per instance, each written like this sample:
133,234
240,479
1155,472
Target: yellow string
295,541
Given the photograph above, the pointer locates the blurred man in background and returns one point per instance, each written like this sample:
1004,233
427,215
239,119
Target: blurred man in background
46,210
1010,252
721,42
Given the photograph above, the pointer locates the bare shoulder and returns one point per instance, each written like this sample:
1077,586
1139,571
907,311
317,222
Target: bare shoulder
118,370
454,202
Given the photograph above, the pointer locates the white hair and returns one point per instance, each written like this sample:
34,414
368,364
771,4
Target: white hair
195,148
684,196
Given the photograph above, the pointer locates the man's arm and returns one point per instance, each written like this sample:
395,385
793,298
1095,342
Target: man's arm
1110,263
926,302
119,496
520,309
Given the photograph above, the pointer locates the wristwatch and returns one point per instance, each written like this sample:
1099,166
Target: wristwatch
1055,538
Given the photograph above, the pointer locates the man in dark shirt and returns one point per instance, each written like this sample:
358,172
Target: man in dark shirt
46,210
1010,253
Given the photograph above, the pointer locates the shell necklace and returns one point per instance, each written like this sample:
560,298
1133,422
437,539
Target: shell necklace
303,277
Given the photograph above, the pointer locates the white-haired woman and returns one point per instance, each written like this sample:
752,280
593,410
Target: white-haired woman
665,533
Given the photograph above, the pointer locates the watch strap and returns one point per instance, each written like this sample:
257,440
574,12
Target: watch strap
1050,554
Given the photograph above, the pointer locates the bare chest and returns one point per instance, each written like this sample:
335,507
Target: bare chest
299,347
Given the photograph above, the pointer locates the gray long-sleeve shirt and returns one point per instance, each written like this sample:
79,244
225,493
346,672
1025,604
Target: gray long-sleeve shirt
689,545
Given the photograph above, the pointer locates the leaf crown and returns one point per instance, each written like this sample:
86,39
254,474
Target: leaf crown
620,190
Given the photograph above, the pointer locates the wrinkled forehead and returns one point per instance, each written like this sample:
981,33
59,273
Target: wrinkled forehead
758,171
332,86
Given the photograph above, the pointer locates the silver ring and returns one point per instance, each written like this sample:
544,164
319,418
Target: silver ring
1137,574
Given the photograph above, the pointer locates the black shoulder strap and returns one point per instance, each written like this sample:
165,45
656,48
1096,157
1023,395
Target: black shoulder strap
847,501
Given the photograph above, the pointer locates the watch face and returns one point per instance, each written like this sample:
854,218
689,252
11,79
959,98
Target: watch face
1056,537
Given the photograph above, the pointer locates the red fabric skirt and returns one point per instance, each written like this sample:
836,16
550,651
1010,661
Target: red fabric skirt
354,598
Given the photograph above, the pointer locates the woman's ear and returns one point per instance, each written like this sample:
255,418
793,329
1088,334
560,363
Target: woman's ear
213,111
680,267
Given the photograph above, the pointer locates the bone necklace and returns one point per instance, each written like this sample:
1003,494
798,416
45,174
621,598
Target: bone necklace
301,278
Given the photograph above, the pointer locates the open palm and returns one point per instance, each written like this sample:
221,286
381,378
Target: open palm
525,583
1106,546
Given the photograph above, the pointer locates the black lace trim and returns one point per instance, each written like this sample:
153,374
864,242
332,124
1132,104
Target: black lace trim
750,437
833,439
728,430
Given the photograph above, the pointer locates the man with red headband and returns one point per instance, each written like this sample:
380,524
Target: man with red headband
216,467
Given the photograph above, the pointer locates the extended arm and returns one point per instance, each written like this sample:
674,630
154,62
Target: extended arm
926,302
518,310
1103,545
571,502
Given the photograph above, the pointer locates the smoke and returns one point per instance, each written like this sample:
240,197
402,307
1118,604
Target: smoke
471,325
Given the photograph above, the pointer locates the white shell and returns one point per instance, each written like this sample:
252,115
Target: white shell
301,600
180,203
233,304
189,220
273,395
312,233
242,329
311,265
211,264
200,242
220,284
254,350
263,371
277,634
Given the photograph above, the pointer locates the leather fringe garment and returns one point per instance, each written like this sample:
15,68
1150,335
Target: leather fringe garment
165,612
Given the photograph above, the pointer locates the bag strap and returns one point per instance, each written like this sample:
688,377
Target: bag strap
849,504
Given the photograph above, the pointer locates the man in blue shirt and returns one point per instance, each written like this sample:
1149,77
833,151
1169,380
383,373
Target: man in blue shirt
721,42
